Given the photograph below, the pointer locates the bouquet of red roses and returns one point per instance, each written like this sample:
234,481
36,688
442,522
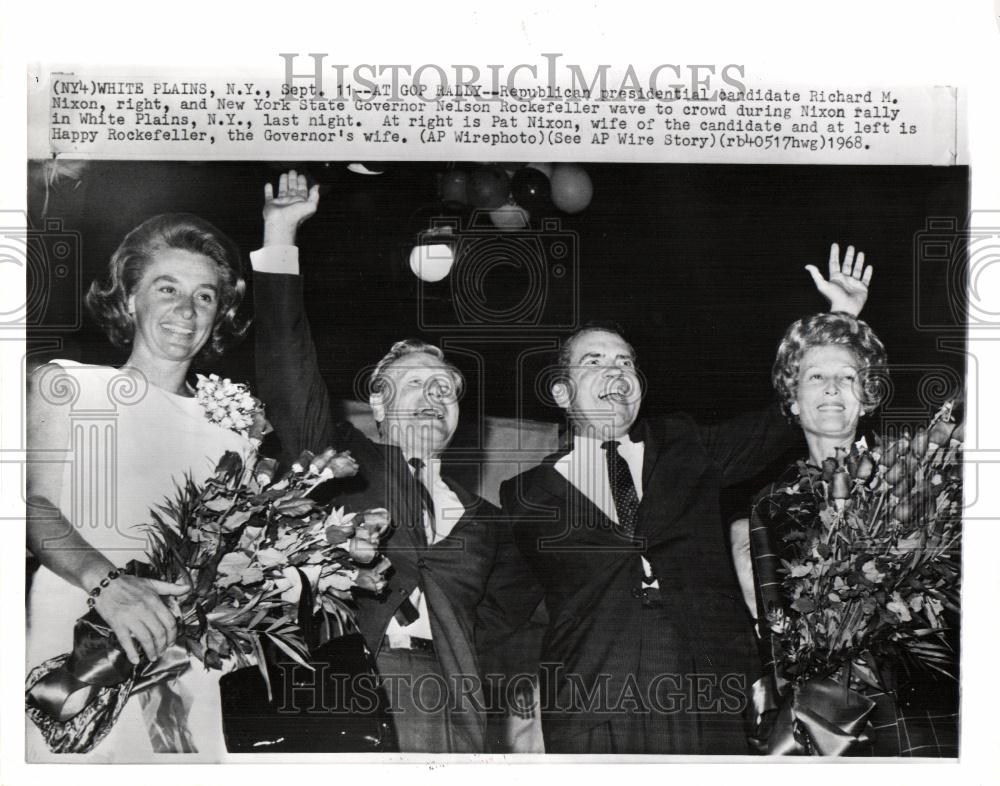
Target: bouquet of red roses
244,541
879,563
869,574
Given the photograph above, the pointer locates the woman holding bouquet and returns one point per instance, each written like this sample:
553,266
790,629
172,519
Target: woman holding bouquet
109,445
830,692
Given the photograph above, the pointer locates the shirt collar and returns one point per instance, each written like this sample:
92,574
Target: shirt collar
586,442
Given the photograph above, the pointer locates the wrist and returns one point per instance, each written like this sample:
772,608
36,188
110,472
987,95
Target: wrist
95,572
95,592
279,235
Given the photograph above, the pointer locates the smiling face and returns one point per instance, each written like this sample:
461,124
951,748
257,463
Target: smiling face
602,394
828,400
174,306
421,404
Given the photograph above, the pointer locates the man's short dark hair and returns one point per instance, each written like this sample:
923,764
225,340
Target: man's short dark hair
564,359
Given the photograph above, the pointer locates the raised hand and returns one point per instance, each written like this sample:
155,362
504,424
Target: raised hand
294,203
847,288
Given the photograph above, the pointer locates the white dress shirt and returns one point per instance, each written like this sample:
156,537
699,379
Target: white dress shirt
448,510
276,259
586,467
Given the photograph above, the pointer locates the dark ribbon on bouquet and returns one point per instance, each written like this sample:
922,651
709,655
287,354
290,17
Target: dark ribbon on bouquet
818,717
75,699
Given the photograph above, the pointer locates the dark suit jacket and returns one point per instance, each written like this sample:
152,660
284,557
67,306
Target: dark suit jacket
591,574
452,573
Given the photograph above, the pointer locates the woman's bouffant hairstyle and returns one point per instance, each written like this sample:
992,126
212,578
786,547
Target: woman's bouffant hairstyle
108,304
820,330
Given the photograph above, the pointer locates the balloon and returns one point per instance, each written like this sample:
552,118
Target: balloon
431,262
510,217
488,187
454,185
530,189
571,188
545,169
366,168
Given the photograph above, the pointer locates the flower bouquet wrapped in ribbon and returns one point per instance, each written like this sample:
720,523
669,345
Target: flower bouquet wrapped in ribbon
858,571
247,542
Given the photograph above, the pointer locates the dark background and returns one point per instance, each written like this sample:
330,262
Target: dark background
701,264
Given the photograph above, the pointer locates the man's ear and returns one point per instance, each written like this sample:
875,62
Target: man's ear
130,305
561,394
377,404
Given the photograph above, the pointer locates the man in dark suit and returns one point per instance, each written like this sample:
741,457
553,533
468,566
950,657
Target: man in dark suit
648,649
442,543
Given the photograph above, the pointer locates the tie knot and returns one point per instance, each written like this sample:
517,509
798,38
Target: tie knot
417,464
611,444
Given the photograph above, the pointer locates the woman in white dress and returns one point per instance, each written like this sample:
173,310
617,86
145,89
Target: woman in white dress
112,443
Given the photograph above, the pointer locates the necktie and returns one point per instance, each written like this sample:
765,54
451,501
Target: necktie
622,487
425,495
407,613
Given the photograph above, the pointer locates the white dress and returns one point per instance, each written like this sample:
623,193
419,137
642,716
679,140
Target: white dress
131,444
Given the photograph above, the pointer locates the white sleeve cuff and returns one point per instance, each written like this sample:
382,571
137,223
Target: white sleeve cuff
276,259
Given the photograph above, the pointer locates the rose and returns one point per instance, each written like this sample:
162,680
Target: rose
941,432
301,464
265,470
840,487
229,467
375,521
373,578
866,466
898,607
339,527
896,450
320,460
902,512
361,550
370,581
333,464
871,572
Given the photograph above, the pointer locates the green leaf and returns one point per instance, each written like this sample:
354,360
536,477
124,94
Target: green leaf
262,665
804,605
235,520
288,649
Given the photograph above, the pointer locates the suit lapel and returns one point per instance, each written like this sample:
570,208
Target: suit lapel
551,490
469,501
